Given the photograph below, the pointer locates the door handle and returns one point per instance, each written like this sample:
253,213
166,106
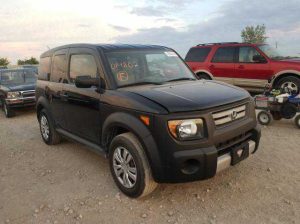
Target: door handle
241,67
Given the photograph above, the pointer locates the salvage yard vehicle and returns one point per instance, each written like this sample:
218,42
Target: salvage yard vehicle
144,109
17,89
250,66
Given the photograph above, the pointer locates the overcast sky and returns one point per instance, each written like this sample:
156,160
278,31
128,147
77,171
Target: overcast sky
29,27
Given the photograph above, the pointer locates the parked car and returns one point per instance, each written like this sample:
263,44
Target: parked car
17,89
33,67
143,108
250,66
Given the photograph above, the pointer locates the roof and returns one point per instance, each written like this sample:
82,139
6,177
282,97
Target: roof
225,43
109,47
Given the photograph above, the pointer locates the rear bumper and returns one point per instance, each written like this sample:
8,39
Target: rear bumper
204,163
21,102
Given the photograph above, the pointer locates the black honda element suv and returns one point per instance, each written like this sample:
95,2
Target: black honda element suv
144,109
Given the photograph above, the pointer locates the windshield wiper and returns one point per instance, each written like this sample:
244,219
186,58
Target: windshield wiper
140,83
179,79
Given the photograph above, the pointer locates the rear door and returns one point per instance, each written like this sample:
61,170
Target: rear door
222,65
251,73
53,89
82,105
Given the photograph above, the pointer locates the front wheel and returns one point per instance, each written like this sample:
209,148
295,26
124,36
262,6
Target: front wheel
264,117
130,167
7,111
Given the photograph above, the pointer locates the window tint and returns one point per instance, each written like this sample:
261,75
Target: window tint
224,54
197,54
59,67
45,66
246,54
82,64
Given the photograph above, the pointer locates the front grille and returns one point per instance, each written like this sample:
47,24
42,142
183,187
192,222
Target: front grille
29,93
228,116
226,146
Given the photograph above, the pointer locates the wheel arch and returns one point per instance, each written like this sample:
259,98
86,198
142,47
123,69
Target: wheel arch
204,71
120,122
283,74
40,105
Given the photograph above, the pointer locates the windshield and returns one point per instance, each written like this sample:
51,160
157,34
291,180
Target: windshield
271,52
142,67
17,77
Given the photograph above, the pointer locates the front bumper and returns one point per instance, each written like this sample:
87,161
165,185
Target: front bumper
204,163
20,102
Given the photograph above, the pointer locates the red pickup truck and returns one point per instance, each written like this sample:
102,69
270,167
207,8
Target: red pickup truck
250,66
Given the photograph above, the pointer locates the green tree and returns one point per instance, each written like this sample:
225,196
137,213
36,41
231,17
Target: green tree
4,62
254,35
30,61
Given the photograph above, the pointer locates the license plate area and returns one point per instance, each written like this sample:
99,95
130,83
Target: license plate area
239,153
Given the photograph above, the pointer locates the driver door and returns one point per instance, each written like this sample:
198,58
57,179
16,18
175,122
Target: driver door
82,105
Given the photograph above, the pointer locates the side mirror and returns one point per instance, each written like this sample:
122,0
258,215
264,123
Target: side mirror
86,81
259,59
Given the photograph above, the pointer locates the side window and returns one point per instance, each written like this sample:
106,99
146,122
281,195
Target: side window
59,67
44,68
82,64
246,54
197,54
224,55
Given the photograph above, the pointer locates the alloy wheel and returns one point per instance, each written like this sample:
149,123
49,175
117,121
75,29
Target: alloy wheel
45,127
291,85
124,167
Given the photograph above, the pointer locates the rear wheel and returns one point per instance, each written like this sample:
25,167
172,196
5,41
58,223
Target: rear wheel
203,76
291,82
264,117
130,167
288,110
48,132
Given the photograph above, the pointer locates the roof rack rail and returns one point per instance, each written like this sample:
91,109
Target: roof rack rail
220,43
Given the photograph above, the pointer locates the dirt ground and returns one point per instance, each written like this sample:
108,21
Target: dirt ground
69,184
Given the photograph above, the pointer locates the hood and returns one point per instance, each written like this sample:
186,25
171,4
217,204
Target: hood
191,95
20,87
293,60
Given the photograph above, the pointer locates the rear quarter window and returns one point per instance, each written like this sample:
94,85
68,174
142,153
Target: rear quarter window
197,54
59,68
44,68
224,55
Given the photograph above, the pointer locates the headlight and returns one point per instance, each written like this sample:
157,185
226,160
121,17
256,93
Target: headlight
187,129
11,95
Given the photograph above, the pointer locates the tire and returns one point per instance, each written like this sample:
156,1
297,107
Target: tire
8,112
288,110
203,76
291,81
121,148
48,132
264,117
297,121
